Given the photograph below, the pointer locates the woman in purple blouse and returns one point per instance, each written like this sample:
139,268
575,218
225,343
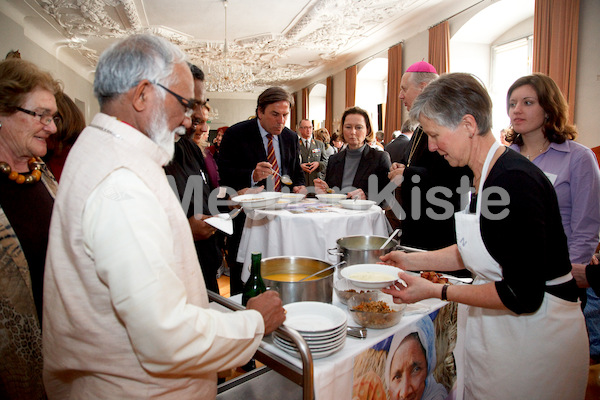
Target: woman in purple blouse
541,132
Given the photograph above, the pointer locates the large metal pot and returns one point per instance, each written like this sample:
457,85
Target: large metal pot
361,249
319,289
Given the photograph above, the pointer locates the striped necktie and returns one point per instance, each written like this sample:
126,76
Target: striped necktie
273,161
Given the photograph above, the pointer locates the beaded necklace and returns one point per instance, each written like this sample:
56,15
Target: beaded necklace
34,175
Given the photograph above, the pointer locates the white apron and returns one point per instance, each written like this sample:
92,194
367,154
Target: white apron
543,355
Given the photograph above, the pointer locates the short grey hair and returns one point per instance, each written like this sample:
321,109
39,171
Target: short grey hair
423,77
125,63
452,96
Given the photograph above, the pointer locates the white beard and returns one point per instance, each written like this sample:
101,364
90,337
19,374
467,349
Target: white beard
158,131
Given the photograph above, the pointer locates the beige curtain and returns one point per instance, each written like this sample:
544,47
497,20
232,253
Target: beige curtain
305,103
393,106
329,105
439,47
293,112
351,86
555,35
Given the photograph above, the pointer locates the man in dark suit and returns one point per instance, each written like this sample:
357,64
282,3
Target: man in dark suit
423,171
312,153
244,162
187,163
398,148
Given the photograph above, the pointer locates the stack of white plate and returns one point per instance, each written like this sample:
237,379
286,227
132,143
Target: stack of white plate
323,327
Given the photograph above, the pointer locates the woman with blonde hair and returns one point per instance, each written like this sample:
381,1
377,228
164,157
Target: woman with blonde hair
323,135
28,117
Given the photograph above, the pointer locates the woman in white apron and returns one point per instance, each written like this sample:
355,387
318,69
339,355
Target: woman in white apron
521,330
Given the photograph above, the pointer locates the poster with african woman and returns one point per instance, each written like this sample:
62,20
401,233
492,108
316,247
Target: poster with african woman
415,363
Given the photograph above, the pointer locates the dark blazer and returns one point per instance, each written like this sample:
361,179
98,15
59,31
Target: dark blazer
242,148
372,162
398,148
188,162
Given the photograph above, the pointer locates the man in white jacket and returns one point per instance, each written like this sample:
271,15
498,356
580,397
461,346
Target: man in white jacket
125,306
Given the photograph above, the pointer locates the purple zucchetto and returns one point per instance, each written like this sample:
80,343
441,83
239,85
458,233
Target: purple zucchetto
422,66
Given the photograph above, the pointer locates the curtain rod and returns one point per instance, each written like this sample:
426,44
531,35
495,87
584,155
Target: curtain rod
458,13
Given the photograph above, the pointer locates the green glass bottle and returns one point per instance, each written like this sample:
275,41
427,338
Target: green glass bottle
254,285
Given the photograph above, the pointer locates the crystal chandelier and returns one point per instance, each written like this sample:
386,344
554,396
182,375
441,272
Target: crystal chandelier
225,76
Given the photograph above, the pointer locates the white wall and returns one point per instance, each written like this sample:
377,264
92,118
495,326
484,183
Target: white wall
316,104
231,111
587,116
473,58
370,93
415,49
78,88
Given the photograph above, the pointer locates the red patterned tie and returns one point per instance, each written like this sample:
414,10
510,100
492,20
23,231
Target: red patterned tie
273,161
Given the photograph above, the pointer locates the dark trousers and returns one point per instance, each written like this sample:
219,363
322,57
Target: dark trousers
233,243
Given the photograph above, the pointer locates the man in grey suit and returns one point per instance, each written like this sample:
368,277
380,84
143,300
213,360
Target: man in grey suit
313,159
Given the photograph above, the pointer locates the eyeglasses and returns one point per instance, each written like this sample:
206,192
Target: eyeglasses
189,104
198,121
45,118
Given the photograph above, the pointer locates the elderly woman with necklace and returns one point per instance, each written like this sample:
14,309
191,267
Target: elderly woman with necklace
523,307
27,188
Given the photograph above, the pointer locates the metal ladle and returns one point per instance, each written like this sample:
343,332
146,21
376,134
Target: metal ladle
323,270
389,239
285,179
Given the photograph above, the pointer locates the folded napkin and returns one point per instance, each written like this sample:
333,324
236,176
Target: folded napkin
224,224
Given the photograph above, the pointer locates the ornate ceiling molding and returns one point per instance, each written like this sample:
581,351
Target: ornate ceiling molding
327,28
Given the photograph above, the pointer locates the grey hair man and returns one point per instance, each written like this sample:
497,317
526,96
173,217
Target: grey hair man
312,153
125,307
421,174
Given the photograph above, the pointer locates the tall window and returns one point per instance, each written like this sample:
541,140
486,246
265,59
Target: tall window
371,89
510,61
316,105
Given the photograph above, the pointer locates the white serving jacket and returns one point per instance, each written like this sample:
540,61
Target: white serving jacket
125,306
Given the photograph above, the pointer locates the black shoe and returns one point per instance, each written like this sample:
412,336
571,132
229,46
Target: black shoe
249,366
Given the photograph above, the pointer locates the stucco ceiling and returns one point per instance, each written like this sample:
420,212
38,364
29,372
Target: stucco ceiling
275,42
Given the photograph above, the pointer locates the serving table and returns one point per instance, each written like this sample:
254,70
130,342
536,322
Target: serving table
332,377
305,230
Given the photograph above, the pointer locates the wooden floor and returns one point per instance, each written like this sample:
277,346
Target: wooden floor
223,282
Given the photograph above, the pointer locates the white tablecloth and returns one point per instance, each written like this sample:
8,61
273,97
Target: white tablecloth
277,233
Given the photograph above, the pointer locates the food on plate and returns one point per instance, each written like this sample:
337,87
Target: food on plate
373,310
345,295
367,276
374,306
434,277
